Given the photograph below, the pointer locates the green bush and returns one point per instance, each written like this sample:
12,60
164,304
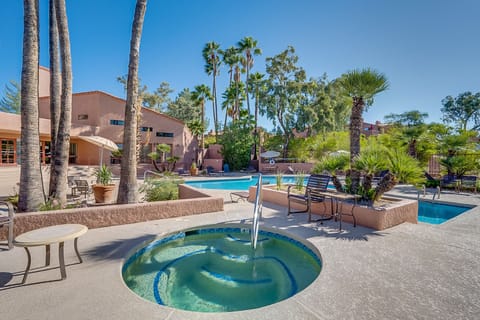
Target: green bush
332,163
405,168
236,141
160,190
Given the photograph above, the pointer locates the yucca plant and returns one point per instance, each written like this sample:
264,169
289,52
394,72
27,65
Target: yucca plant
278,179
299,181
405,168
332,164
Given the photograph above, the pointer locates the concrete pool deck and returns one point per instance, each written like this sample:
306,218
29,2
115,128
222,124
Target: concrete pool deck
411,271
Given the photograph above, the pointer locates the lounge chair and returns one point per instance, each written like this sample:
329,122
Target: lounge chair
469,182
449,181
239,195
317,183
7,220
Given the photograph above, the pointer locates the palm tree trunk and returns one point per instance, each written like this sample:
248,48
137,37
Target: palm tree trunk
30,197
128,189
214,103
356,123
255,131
63,138
55,99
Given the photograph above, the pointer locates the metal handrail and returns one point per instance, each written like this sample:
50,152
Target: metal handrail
150,171
257,213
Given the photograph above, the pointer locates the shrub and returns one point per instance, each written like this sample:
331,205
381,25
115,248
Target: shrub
160,189
405,168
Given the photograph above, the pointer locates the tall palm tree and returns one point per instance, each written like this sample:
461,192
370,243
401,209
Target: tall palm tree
232,59
128,189
55,99
200,95
62,146
361,86
211,53
30,198
248,46
257,84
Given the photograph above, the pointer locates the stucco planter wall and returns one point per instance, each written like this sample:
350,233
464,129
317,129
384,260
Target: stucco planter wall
379,217
192,202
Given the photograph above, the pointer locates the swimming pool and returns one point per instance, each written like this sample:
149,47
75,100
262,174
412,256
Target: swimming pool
437,213
215,269
239,183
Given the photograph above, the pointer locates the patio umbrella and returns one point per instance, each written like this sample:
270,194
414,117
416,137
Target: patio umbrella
102,142
339,152
269,154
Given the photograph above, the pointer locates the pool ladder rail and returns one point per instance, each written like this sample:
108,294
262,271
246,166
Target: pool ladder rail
257,213
424,191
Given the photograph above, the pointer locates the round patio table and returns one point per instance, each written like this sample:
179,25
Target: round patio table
47,236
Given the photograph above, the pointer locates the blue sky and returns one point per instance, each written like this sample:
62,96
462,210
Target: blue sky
428,49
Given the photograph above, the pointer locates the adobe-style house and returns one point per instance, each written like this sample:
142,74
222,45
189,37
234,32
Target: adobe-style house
98,113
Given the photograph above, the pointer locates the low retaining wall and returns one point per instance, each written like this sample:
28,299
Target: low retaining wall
192,202
379,218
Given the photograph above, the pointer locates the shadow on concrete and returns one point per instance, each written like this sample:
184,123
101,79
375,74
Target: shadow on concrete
117,249
299,226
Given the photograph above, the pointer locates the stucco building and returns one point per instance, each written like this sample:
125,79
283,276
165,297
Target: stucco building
97,113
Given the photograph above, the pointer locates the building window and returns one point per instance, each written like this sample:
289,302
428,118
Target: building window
82,117
165,134
117,122
146,129
8,151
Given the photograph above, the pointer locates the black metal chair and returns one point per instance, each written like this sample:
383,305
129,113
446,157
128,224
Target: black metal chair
469,182
317,183
7,220
82,187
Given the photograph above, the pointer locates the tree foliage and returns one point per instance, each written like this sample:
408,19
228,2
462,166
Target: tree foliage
407,118
10,102
463,110
236,142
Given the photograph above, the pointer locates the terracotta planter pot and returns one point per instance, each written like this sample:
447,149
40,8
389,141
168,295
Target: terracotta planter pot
103,193
194,171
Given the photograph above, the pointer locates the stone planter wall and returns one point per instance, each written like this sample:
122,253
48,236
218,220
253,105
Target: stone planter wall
378,218
192,202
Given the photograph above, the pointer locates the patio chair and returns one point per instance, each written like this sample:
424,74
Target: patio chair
7,220
317,183
82,187
380,175
449,181
469,182
72,185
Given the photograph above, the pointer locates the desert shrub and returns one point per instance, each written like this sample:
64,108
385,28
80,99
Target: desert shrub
160,189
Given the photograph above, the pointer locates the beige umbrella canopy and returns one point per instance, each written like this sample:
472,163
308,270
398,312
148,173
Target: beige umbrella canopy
102,142
269,154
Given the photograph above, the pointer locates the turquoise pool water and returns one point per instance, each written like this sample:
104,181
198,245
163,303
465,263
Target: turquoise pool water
216,270
238,184
437,213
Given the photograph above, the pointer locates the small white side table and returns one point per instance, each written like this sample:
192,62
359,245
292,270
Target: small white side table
47,236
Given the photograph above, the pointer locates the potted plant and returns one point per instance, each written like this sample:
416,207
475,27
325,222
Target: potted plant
193,169
103,189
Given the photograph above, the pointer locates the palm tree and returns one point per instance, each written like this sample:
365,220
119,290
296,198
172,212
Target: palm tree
211,53
361,86
257,84
30,198
55,99
62,143
11,100
200,95
128,189
232,59
248,46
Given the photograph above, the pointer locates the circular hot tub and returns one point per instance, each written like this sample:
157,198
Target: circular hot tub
215,269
